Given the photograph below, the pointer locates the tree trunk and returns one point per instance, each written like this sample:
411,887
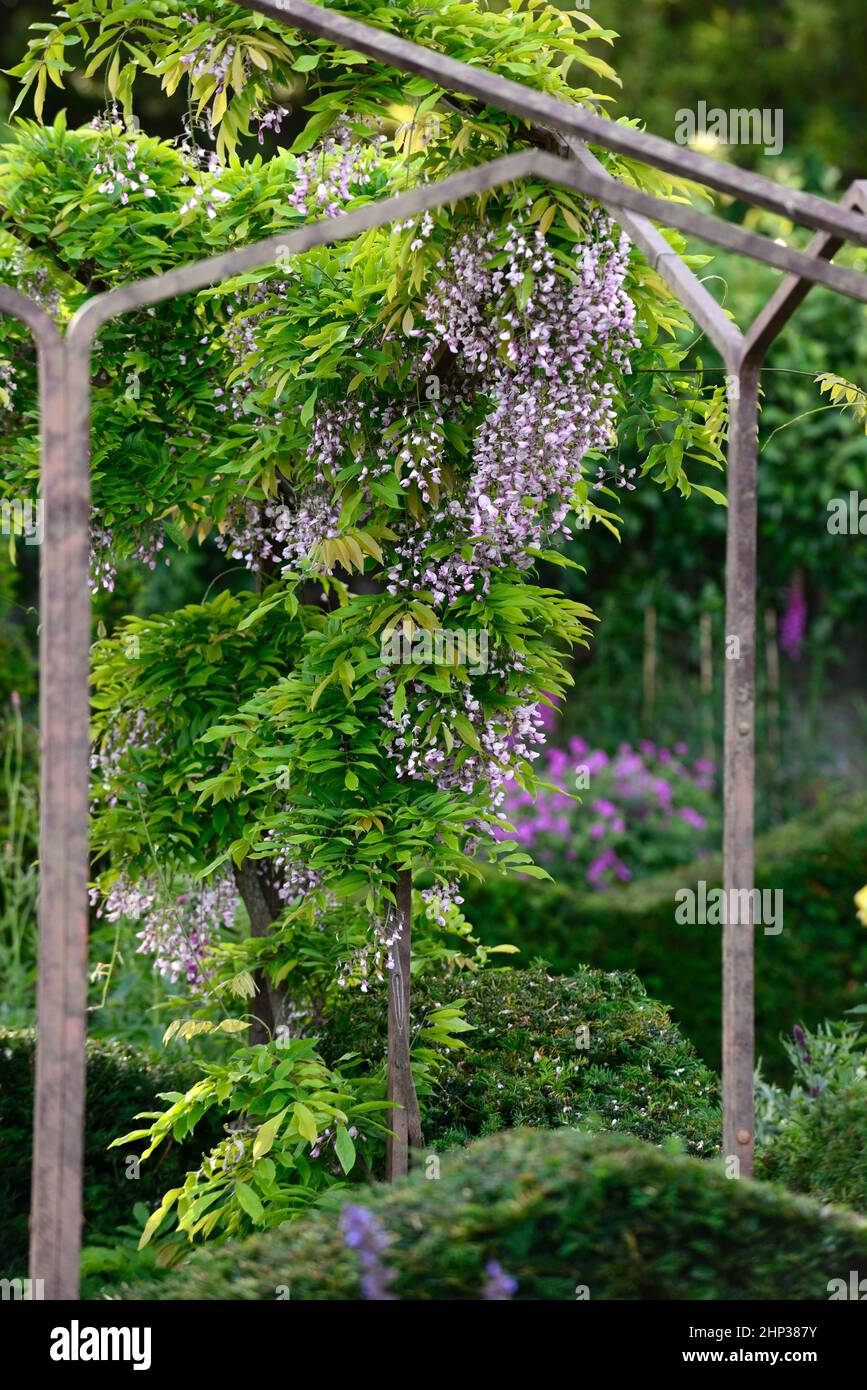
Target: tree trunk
406,1121
258,900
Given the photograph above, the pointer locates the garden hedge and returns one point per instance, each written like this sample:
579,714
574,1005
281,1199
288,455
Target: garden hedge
815,968
531,1062
557,1210
121,1080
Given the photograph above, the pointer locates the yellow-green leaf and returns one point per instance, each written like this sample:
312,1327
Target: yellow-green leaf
268,1133
305,1123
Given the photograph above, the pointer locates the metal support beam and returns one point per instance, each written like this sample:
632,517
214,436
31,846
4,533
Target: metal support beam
64,653
683,282
739,767
770,322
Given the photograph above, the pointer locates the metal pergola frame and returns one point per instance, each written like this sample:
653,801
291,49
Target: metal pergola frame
64,400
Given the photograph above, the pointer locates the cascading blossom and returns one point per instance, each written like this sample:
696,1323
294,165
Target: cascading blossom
203,168
7,385
179,930
521,352
333,173
117,164
371,961
103,562
530,353
498,745
546,368
204,60
108,758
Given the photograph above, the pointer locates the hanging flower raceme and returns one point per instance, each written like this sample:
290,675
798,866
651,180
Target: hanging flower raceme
7,384
485,756
332,173
179,930
144,550
542,347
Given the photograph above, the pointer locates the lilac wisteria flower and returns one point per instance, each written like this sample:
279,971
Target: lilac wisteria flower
372,961
271,119
178,930
211,57
144,548
545,362
7,384
332,173
498,744
365,1234
117,162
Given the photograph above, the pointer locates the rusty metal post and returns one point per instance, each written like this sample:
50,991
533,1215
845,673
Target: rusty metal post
64,642
64,649
738,1048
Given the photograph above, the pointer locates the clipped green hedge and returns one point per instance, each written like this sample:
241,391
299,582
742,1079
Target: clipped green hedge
815,968
822,1149
557,1209
526,1063
120,1081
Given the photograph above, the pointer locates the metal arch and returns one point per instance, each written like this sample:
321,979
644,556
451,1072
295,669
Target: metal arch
64,365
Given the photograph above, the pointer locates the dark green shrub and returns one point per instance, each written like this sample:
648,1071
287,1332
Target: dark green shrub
556,1209
814,968
531,1062
822,1151
120,1082
813,1137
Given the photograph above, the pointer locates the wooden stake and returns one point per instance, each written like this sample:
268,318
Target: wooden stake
706,666
406,1121
649,667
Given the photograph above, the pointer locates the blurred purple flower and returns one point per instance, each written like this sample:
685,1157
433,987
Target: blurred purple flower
500,1285
365,1234
793,624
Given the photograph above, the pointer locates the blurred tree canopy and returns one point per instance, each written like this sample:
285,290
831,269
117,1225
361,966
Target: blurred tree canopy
807,57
